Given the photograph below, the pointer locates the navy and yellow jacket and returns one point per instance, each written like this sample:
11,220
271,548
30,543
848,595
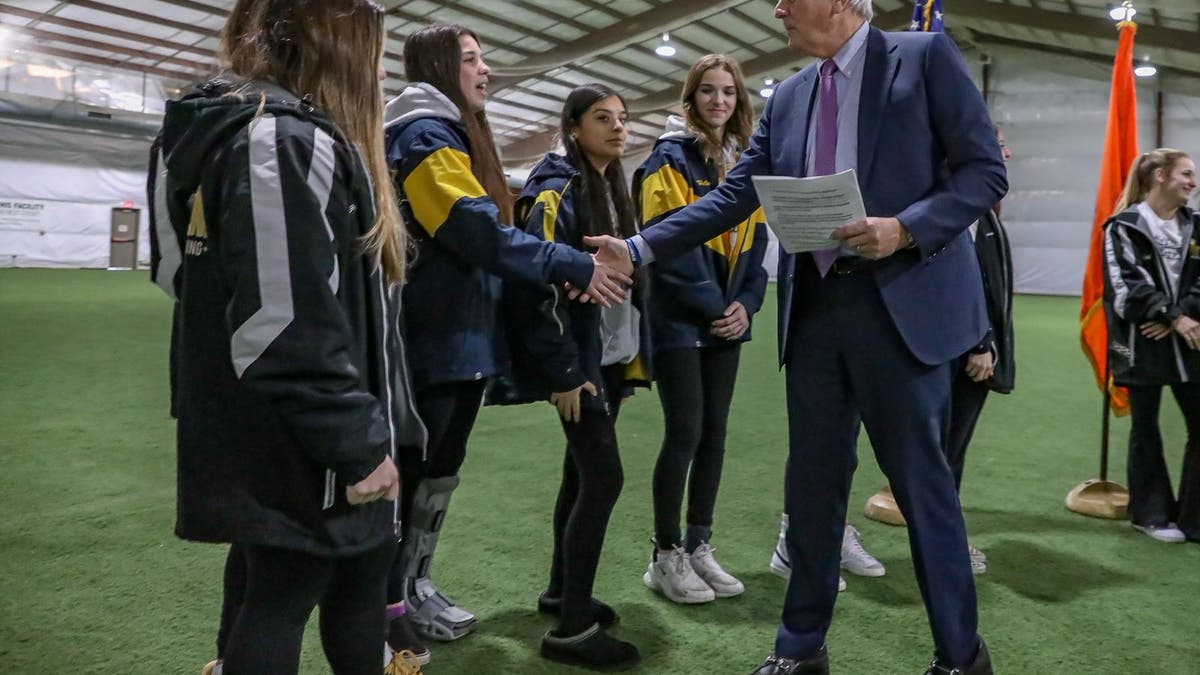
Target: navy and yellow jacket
693,290
555,343
462,250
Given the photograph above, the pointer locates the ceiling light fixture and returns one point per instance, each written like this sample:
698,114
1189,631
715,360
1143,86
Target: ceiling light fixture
768,87
1145,69
665,49
1122,12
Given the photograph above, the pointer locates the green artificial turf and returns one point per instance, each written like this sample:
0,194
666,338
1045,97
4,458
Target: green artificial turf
93,581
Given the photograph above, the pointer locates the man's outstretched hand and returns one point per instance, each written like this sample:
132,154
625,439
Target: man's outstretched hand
612,252
608,282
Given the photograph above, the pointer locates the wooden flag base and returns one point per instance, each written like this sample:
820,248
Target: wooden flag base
882,507
1100,499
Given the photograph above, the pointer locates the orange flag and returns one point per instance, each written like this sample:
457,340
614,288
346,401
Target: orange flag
1120,149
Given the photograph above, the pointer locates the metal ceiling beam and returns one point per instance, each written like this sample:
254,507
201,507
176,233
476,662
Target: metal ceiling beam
148,18
665,99
104,30
665,17
1098,56
523,53
498,81
51,36
172,75
196,6
1101,28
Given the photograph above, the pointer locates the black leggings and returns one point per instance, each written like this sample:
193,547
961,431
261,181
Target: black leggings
592,481
1151,500
232,596
695,387
283,587
448,411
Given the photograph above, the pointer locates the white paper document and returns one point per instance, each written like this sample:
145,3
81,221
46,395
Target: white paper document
804,211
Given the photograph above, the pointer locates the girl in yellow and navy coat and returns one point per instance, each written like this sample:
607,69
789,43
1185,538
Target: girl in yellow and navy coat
457,208
701,311
582,358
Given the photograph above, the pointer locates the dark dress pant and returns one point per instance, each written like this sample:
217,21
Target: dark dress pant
846,362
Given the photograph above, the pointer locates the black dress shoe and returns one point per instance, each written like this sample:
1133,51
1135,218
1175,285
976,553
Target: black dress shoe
980,665
601,613
780,665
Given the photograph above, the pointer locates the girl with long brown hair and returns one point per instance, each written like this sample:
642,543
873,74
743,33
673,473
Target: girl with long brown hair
1152,304
582,358
459,214
700,311
277,227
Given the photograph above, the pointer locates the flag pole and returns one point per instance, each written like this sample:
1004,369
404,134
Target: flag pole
1104,425
1100,497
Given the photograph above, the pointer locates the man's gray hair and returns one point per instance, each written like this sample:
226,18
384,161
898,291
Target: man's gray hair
862,8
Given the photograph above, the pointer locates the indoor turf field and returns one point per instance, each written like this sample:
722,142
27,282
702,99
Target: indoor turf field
95,582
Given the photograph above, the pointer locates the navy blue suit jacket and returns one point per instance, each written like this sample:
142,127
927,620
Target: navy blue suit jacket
927,155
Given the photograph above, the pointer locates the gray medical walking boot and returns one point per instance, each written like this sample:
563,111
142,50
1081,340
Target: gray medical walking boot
432,613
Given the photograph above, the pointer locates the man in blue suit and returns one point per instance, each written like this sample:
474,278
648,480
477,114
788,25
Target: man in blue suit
869,335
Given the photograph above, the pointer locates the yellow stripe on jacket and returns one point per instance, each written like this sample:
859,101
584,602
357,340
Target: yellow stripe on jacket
550,200
664,191
436,185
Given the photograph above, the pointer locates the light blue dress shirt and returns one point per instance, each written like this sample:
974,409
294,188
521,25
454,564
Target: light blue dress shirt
849,77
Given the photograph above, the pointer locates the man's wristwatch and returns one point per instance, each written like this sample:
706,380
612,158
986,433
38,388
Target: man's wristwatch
907,240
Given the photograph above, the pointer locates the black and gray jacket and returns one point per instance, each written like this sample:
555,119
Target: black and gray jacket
1136,290
995,264
291,374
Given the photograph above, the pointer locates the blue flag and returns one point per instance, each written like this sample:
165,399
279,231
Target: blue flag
927,16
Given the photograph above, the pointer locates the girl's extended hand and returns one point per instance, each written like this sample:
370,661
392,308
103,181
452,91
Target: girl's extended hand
567,402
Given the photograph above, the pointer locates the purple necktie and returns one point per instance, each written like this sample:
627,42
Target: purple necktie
825,157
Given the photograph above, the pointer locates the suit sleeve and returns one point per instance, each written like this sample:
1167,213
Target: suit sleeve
1135,296
721,209
977,179
545,326
683,280
290,338
449,204
754,282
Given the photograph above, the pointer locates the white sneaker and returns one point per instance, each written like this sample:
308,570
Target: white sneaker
1168,533
781,566
978,561
855,558
723,584
671,574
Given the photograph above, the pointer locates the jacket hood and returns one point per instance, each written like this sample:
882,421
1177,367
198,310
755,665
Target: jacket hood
208,116
554,167
1131,217
677,129
417,101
